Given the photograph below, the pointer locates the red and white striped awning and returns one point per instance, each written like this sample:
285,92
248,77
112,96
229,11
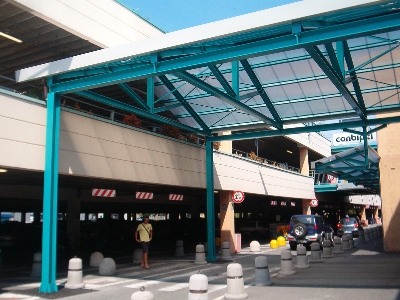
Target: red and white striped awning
144,195
103,193
176,197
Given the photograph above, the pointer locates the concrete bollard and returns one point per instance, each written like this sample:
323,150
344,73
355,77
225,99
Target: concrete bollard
95,259
235,283
137,256
351,240
315,253
327,249
281,241
74,278
375,230
107,267
302,262
337,247
179,248
37,265
142,295
361,236
198,287
273,244
255,246
367,234
226,251
262,277
345,242
200,258
287,268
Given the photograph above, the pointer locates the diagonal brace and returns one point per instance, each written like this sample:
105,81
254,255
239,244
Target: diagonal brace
182,100
131,93
335,79
225,84
254,79
226,98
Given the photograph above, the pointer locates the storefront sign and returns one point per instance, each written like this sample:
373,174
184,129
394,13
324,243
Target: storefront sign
346,139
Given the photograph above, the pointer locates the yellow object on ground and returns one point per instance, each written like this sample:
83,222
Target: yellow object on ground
273,244
281,241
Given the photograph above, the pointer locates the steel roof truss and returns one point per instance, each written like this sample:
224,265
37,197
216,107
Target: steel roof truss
242,51
334,60
322,62
258,85
224,97
181,99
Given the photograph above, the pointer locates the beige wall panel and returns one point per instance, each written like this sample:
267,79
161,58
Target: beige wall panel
93,148
234,173
389,168
21,155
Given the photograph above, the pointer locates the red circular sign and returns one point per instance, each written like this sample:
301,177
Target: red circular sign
314,203
238,196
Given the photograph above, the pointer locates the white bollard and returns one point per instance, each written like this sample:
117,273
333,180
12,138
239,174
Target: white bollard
37,265
345,242
255,246
315,253
235,283
198,287
226,251
302,262
142,295
107,267
95,259
200,258
262,277
337,247
327,249
74,280
137,256
179,248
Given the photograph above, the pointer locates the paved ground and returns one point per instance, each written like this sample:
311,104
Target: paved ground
364,272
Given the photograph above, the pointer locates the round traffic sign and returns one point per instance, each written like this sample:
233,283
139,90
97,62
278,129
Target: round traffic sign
314,203
238,196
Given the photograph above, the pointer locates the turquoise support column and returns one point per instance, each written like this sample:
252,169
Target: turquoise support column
210,201
50,197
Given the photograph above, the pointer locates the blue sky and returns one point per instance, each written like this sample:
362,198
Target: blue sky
171,15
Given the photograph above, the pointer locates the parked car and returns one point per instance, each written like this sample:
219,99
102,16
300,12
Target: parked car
347,225
253,227
306,229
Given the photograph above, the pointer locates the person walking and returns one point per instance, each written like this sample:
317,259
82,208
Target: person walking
143,235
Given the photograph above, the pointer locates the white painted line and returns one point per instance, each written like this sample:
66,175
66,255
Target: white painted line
166,279
17,296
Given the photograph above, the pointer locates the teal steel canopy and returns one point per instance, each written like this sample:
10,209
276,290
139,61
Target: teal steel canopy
258,71
350,165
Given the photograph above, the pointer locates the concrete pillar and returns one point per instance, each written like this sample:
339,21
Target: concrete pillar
306,207
225,146
227,218
389,169
362,213
73,222
305,170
